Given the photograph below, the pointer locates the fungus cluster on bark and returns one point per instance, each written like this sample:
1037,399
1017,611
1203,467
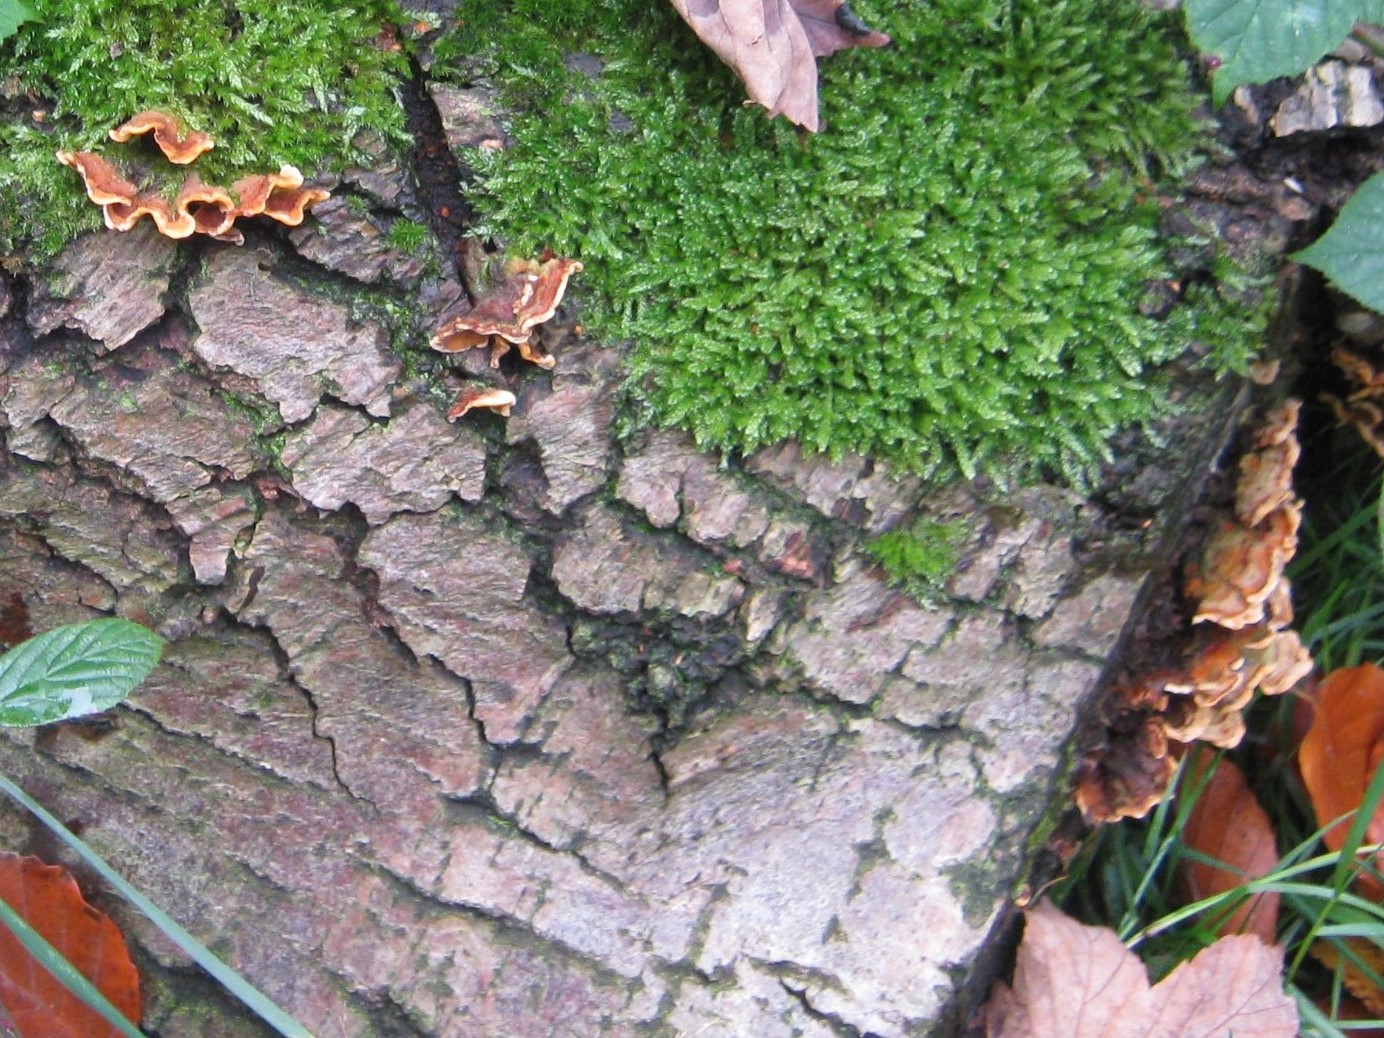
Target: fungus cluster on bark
1240,640
1362,408
506,317
198,207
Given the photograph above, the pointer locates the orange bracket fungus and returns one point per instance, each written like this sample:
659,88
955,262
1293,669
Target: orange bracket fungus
1241,606
528,295
178,144
473,397
1360,410
505,317
198,207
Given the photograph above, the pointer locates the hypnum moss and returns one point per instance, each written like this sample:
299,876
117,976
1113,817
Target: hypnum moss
948,275
919,558
272,82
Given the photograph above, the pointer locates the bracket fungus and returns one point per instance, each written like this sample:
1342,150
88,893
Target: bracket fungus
1241,606
198,207
1360,410
472,397
178,144
506,317
528,295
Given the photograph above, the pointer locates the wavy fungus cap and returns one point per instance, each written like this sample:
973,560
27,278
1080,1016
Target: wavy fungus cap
178,144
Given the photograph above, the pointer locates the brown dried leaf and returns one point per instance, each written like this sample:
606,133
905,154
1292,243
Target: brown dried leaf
48,899
1075,981
773,46
1354,978
1228,825
1340,752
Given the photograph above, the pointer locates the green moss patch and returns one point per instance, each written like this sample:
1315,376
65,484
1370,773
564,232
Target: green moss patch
272,82
947,276
919,558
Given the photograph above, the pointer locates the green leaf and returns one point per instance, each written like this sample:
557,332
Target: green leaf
13,14
74,670
1259,40
1351,253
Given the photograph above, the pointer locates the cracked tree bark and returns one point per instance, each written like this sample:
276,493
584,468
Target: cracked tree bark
530,730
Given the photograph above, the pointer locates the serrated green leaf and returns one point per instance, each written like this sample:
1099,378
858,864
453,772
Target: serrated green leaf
74,670
13,14
1351,253
1259,40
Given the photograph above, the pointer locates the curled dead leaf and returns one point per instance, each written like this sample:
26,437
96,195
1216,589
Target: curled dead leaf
1340,753
773,46
1227,825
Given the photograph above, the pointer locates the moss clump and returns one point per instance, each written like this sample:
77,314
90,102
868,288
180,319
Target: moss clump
407,236
948,275
920,557
272,82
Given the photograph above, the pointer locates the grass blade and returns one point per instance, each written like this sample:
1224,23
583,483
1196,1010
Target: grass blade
56,963
254,999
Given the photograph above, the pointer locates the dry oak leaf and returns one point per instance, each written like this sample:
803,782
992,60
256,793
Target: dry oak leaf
1340,753
773,46
178,144
41,1007
1075,981
1228,825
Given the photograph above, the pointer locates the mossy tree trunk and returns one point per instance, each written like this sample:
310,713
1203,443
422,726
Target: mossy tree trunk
518,728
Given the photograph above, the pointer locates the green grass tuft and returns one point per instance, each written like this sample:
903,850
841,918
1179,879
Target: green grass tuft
948,275
272,82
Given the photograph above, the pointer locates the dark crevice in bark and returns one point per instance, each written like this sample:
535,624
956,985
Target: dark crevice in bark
284,662
440,178
485,807
836,1024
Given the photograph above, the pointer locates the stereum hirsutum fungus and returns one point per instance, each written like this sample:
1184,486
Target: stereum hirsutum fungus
198,207
506,317
1241,639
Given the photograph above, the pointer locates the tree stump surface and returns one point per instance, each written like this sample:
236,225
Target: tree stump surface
522,729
